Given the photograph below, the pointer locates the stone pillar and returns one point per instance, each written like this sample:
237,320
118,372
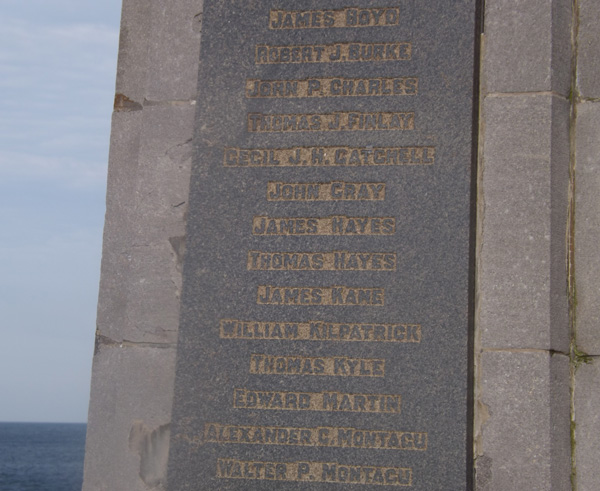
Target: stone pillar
149,168
522,322
586,224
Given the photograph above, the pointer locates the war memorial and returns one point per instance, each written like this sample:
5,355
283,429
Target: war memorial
351,244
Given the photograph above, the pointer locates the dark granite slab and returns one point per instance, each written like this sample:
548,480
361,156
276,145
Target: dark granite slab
324,337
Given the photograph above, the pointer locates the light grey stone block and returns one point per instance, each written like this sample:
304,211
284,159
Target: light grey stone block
139,294
129,419
587,429
526,438
164,171
588,47
134,39
147,201
150,160
522,272
123,169
174,50
158,51
527,46
587,227
149,169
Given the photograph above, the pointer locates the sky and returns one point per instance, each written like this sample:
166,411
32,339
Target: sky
58,64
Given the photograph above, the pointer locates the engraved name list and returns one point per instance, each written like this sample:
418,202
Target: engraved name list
326,185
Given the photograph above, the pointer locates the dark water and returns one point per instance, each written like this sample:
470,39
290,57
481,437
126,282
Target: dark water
41,456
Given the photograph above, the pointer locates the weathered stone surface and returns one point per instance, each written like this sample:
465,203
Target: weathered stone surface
128,425
147,200
587,231
522,272
526,439
123,181
150,159
588,43
134,39
174,49
587,417
150,162
587,236
418,95
148,280
528,46
130,405
158,51
165,158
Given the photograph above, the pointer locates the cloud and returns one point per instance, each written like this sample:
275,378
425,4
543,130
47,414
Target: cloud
65,171
58,87
58,66
83,49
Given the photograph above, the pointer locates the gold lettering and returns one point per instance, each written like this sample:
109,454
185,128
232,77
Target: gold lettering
332,87
333,225
325,191
321,261
323,19
316,401
316,330
314,472
330,295
328,156
265,54
322,436
327,122
328,366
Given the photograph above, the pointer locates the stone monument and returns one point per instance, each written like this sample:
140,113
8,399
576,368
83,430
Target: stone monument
340,248
324,326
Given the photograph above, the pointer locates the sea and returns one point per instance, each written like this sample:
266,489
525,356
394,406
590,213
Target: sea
41,456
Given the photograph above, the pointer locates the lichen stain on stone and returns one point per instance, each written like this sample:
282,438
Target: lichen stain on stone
153,449
103,341
197,24
482,414
178,245
124,103
181,154
483,473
